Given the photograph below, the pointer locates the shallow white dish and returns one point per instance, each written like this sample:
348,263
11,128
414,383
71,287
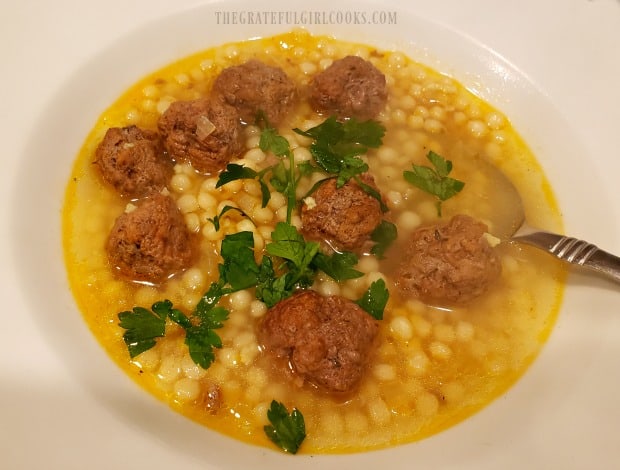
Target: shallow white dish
65,405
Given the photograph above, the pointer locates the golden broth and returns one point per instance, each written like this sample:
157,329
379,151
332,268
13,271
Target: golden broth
433,367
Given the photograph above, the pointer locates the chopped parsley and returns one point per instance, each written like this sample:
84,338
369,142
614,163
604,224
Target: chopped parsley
286,430
383,236
283,179
337,147
238,271
216,219
143,326
375,299
435,181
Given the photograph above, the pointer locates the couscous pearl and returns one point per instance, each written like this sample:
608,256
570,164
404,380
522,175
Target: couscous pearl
149,359
209,185
477,128
368,264
186,390
240,300
401,328
245,225
421,326
418,363
193,222
276,201
192,370
464,331
301,154
427,404
262,215
206,201
187,203
495,121
329,287
193,279
379,412
408,221
384,372
180,183
169,369
257,308
444,333
440,350
453,392
433,126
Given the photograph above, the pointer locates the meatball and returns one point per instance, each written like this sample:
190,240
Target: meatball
327,340
449,262
205,132
350,87
254,86
343,217
132,160
151,242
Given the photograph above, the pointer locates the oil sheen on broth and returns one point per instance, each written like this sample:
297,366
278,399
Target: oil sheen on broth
432,366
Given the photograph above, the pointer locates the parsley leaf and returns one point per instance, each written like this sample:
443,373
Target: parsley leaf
216,220
287,431
338,266
435,181
338,145
271,141
143,326
383,235
283,179
201,339
291,246
239,268
375,299
234,172
238,271
271,288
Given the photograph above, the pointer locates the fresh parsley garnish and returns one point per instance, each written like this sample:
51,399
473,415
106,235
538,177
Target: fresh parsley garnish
287,431
200,337
239,268
288,244
282,175
375,299
338,266
237,271
235,172
383,236
216,219
143,326
283,178
435,181
337,147
336,143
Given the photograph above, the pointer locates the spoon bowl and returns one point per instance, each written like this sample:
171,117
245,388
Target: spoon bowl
515,228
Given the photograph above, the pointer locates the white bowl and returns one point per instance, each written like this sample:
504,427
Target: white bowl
67,405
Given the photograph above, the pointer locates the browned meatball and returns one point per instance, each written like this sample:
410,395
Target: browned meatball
151,242
328,340
254,86
350,87
343,217
449,262
132,160
205,132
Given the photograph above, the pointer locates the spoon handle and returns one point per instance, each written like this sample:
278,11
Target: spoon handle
575,251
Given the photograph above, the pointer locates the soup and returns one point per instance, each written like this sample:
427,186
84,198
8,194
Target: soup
430,363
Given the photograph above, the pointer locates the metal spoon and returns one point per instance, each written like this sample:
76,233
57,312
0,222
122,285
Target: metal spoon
569,249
